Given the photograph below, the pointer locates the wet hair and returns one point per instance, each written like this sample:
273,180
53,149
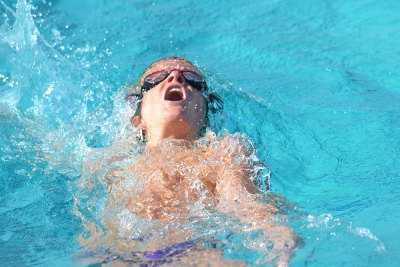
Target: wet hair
214,103
167,58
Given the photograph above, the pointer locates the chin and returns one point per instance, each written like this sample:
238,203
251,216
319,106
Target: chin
175,114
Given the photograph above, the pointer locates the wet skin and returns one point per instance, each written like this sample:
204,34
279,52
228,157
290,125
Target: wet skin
162,118
170,189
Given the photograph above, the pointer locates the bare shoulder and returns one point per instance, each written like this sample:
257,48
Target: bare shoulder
232,149
237,164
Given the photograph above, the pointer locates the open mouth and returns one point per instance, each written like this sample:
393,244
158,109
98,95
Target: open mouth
174,94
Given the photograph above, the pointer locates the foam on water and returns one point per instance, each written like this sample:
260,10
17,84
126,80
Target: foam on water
64,120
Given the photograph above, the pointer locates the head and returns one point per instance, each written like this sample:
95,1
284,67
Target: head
174,101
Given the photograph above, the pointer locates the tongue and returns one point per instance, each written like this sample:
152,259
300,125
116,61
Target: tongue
174,96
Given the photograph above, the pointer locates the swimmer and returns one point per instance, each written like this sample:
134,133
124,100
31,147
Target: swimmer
183,164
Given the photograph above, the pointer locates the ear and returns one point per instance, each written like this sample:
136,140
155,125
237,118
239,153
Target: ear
136,121
139,124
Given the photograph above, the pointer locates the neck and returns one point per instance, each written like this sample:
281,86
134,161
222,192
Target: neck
156,137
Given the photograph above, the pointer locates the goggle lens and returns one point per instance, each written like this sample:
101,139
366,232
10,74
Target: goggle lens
156,78
194,79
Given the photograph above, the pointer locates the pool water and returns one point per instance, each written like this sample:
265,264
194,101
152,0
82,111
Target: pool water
314,84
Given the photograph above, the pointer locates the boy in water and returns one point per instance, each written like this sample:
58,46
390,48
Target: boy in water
177,171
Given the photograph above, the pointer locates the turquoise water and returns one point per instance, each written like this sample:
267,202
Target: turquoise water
313,83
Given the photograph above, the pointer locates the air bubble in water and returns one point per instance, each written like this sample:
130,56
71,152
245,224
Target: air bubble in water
33,38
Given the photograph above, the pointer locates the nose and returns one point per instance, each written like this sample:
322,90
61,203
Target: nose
175,76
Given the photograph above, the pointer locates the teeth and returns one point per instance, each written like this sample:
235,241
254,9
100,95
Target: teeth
174,94
174,90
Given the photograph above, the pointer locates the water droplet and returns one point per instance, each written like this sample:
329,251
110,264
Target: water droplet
33,38
49,89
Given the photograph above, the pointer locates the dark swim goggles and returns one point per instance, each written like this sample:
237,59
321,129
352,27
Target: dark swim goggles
214,102
191,77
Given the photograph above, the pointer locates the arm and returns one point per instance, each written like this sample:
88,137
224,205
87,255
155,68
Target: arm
239,196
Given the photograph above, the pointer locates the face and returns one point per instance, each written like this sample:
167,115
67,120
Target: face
173,108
